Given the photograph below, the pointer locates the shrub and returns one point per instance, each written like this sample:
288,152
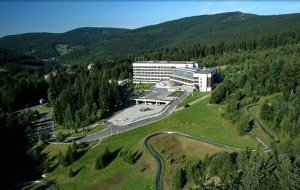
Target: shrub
179,179
67,159
128,156
61,137
103,159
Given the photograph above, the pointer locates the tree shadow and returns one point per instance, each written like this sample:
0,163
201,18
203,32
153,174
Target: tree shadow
77,171
79,153
137,155
112,156
233,157
52,168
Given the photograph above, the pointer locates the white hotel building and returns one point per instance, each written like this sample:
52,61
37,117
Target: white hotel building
155,71
179,72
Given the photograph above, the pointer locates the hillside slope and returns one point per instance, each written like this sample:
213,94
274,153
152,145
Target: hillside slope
48,45
206,29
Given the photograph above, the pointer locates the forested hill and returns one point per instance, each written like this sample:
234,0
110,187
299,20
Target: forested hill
206,29
49,45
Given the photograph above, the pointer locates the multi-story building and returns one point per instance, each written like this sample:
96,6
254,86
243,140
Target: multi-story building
203,78
180,72
154,71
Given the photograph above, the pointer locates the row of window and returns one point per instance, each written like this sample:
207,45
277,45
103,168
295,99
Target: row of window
146,79
150,76
152,73
153,67
166,71
170,70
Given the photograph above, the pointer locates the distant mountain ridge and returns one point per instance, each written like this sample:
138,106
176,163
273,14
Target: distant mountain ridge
48,45
115,43
205,29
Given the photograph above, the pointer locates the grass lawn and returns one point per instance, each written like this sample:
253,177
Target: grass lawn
175,93
61,129
201,119
143,86
261,134
89,131
62,49
193,96
180,149
53,150
45,107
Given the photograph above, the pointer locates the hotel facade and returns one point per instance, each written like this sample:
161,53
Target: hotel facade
179,72
155,71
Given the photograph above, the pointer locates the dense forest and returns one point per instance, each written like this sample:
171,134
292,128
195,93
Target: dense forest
271,71
208,30
192,37
244,170
22,81
251,75
197,52
83,96
21,158
53,45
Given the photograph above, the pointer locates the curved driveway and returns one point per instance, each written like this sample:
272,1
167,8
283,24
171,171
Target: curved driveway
158,160
112,129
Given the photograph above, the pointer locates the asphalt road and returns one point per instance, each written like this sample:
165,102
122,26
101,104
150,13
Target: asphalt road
258,122
46,122
158,160
112,129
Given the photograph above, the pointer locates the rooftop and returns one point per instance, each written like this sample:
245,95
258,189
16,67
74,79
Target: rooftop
184,74
157,94
206,70
188,72
189,69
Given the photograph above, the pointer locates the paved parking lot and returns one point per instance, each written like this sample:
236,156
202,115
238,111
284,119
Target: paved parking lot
158,94
134,113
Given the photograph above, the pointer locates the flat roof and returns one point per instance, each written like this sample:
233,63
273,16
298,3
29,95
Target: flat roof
184,70
206,70
166,62
156,94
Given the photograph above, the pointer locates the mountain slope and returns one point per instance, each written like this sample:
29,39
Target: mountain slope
48,45
206,29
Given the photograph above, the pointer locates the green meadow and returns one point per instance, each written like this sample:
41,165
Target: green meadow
201,120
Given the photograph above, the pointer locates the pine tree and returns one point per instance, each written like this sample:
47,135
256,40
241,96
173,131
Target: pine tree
99,163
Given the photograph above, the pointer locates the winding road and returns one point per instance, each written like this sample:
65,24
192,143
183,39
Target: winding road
258,122
158,160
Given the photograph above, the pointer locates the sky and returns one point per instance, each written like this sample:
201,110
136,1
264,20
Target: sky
22,16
